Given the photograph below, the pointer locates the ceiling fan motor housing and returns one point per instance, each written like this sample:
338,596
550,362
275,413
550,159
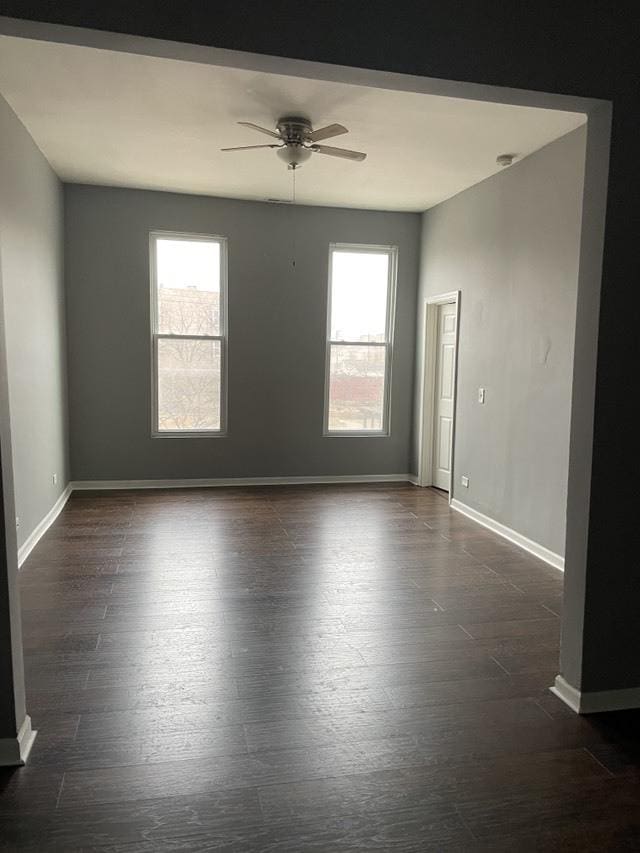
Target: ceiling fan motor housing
295,131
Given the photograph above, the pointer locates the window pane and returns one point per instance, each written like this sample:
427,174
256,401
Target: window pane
359,282
188,276
356,388
188,384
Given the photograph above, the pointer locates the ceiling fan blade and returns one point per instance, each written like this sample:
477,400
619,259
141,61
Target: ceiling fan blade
327,132
339,152
260,129
247,147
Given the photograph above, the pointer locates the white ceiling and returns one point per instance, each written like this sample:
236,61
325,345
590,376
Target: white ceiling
121,119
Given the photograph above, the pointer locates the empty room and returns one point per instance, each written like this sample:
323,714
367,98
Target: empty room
298,382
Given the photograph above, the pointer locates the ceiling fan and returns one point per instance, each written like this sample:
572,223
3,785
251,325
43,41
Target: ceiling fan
297,141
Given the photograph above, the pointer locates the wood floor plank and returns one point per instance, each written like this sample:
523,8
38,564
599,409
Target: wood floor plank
302,668
392,789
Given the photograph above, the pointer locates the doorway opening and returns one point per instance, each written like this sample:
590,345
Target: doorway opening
439,393
590,260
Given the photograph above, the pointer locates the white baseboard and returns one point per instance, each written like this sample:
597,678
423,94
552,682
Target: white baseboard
595,702
513,536
84,485
14,751
413,479
36,535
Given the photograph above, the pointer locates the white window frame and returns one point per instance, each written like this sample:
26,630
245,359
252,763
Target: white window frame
156,335
392,254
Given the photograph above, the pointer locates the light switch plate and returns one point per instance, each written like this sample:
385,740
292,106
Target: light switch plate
465,481
481,395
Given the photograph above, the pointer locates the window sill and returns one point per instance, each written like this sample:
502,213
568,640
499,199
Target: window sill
191,434
356,434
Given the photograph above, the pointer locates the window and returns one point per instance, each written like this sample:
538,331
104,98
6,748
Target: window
359,338
188,295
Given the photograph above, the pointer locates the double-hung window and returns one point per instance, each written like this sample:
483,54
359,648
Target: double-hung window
362,284
188,310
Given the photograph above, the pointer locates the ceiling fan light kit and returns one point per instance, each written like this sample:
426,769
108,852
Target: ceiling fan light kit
294,155
297,141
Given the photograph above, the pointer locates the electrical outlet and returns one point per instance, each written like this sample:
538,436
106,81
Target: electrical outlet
481,392
55,479
465,481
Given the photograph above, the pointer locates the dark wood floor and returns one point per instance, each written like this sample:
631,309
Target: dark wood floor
303,669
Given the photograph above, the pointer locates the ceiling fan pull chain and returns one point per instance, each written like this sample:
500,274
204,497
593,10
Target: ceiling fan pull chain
293,216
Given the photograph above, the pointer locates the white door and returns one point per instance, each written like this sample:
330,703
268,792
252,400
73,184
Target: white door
443,399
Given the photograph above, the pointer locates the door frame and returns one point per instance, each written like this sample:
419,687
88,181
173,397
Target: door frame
427,414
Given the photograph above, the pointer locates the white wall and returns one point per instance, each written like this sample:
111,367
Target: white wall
511,246
31,255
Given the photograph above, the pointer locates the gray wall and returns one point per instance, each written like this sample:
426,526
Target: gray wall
511,246
31,243
12,693
277,317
